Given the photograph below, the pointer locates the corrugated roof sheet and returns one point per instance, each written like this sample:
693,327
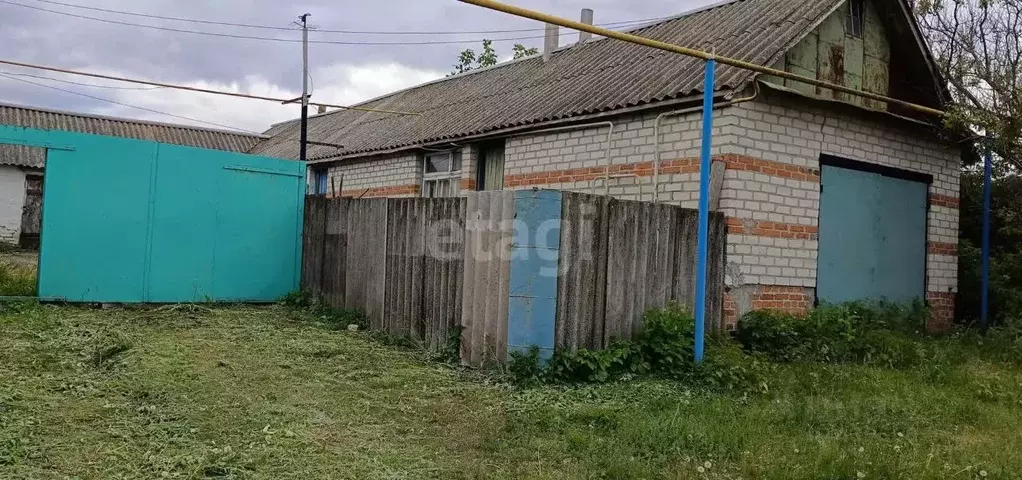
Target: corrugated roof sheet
594,77
23,116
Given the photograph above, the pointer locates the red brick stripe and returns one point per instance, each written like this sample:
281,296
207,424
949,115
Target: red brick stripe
948,201
645,169
737,226
388,191
774,169
942,311
782,298
468,184
940,248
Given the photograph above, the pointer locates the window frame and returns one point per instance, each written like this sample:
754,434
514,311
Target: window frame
484,165
320,180
855,23
452,177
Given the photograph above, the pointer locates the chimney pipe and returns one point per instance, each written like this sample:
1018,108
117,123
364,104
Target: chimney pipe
550,41
587,18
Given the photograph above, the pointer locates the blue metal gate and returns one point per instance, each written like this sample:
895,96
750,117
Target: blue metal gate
137,221
872,233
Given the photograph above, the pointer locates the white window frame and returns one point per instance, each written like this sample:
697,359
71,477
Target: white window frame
441,184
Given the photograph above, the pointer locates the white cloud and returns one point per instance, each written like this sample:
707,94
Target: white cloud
336,84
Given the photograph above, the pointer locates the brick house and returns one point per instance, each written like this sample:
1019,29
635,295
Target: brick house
828,197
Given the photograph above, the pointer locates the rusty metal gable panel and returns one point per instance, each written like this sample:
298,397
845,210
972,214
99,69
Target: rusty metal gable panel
831,54
598,76
22,116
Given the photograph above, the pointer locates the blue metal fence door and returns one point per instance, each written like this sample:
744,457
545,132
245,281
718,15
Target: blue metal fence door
135,221
872,237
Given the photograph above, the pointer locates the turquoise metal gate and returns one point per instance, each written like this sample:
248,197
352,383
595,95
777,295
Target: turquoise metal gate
872,233
136,221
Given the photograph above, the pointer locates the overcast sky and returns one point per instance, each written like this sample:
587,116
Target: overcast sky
342,74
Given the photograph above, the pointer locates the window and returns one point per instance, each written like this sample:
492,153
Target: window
856,18
441,174
490,175
319,181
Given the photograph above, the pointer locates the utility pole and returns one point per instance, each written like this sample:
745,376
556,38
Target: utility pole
305,87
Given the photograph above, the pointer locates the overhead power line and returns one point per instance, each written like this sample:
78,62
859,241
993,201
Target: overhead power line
193,89
271,39
10,76
622,23
108,87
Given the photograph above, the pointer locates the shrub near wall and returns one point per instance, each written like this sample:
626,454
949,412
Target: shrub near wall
663,348
874,334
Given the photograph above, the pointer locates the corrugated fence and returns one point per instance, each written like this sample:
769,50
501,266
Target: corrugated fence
429,268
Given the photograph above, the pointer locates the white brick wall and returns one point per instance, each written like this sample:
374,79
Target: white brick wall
12,200
782,129
785,130
632,142
788,132
376,172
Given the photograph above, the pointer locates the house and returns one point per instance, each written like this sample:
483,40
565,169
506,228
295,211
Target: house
22,168
828,197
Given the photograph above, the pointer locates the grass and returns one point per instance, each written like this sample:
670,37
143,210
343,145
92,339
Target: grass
268,393
16,281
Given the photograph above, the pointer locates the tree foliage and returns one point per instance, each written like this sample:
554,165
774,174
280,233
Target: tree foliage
1006,257
468,60
978,45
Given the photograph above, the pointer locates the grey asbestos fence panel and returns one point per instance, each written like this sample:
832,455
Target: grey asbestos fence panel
581,286
335,252
443,265
365,286
715,272
651,263
312,243
402,313
489,226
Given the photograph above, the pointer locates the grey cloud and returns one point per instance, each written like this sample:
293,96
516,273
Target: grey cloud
47,38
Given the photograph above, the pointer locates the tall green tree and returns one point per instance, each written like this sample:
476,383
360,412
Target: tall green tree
468,60
978,45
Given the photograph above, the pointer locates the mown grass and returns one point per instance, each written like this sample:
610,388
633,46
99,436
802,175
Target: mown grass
268,393
16,281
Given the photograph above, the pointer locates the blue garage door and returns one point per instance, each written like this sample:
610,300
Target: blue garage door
872,233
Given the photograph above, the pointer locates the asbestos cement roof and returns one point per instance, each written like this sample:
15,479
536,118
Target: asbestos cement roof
598,76
35,157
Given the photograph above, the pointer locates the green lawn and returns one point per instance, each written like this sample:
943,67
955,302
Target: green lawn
267,393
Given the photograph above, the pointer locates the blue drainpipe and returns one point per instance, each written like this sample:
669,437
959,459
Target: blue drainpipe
704,209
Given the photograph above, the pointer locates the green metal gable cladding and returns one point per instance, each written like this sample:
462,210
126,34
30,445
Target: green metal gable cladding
832,53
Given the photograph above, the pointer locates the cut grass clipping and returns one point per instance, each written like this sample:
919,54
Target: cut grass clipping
279,393
16,281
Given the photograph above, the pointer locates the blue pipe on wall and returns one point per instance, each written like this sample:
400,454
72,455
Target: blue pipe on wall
704,209
984,299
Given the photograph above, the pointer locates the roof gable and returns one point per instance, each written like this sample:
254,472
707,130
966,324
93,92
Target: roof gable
885,57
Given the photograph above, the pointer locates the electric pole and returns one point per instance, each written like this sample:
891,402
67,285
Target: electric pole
305,87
